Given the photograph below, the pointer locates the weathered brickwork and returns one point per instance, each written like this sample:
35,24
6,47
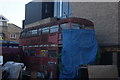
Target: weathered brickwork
9,29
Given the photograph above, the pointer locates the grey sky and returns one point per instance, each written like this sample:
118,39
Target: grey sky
13,10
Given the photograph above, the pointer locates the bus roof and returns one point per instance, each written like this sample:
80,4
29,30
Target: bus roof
80,21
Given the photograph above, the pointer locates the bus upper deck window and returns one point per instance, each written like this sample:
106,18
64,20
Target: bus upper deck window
34,32
65,26
75,26
23,34
39,31
45,30
28,33
53,29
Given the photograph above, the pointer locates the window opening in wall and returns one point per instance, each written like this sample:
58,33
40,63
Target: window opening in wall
12,35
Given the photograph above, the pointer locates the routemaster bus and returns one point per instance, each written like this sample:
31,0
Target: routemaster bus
42,45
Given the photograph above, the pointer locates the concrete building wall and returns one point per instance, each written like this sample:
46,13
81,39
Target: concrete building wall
35,11
32,12
41,22
119,22
105,18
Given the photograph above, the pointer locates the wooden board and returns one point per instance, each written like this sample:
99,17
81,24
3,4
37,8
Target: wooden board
102,71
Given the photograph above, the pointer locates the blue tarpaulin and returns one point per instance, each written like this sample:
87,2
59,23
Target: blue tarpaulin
79,47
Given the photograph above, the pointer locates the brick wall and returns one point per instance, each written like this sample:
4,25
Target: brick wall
13,29
10,29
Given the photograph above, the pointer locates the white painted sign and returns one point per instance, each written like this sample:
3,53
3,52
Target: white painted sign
1,60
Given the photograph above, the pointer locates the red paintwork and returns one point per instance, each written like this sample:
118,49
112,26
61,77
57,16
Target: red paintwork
10,54
53,38
35,62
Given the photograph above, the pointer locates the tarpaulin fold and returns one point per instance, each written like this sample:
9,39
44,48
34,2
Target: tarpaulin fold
79,47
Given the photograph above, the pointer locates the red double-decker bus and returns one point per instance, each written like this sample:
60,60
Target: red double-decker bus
42,44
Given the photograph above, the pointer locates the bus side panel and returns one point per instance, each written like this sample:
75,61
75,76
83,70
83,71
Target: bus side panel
53,38
12,54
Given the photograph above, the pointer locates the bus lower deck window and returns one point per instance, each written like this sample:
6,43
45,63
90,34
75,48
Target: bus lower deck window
52,53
